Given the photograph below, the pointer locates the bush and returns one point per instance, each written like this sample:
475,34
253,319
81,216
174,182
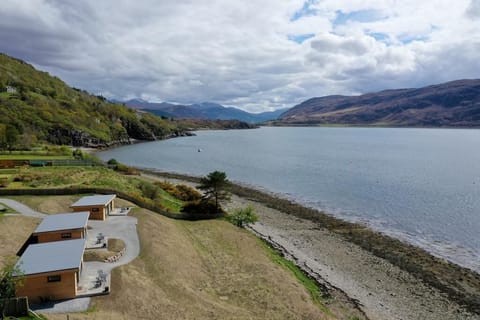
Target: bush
167,187
112,162
148,189
201,209
180,191
187,193
77,154
120,167
243,216
3,182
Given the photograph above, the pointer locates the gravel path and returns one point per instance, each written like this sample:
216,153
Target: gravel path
21,208
119,227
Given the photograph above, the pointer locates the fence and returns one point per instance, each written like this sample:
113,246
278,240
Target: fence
5,164
15,307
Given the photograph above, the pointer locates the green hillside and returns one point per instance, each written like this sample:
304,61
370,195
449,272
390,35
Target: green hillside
36,107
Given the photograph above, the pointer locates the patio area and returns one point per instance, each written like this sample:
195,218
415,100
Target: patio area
94,280
95,240
123,211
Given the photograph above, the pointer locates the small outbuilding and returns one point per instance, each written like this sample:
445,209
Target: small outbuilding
63,226
99,206
51,270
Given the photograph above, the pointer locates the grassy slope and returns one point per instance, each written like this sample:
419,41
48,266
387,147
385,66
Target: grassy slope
201,270
44,108
190,270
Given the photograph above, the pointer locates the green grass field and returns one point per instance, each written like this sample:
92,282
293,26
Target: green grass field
18,156
84,177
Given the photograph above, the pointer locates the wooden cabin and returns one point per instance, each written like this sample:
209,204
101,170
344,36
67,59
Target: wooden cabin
63,226
51,270
99,206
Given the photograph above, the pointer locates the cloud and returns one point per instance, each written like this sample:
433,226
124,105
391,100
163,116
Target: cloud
473,10
257,56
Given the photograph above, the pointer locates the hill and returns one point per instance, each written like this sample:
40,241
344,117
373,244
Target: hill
204,110
36,107
451,104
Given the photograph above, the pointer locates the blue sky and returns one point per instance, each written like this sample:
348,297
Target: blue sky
258,56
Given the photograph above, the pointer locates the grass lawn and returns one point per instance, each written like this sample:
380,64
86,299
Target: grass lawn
96,177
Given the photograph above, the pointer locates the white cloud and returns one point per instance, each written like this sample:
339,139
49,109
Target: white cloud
239,52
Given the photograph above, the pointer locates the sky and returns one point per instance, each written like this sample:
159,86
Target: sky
256,55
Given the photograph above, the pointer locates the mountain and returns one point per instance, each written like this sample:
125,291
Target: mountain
37,108
205,110
451,104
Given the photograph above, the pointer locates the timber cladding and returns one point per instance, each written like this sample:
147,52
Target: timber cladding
47,286
96,212
60,235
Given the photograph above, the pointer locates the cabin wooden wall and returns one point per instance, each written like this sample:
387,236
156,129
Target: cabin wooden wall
94,215
57,235
36,287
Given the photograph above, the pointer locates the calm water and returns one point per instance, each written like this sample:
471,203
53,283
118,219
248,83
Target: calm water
421,185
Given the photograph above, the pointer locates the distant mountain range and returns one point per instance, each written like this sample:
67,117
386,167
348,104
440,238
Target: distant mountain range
205,110
451,104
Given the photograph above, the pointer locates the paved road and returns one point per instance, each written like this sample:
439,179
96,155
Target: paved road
120,227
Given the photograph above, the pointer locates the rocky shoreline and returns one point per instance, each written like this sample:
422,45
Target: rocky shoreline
384,277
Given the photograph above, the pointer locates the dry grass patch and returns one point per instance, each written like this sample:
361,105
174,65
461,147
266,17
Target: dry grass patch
114,246
48,204
14,231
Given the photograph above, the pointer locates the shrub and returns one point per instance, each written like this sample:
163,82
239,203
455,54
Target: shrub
148,189
187,193
167,187
201,209
77,154
243,216
126,169
180,191
3,182
112,162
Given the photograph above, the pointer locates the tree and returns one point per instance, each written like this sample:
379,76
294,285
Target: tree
11,136
11,276
215,186
3,136
243,216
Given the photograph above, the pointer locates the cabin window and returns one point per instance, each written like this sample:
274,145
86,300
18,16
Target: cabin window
55,278
66,235
95,209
